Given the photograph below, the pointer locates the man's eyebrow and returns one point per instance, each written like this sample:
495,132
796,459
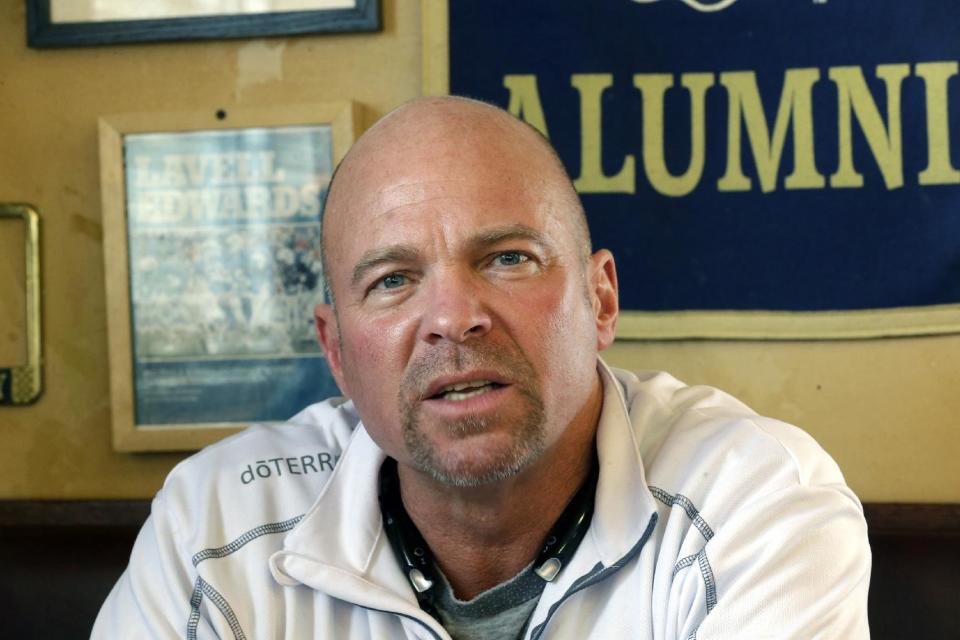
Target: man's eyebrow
506,232
376,257
403,253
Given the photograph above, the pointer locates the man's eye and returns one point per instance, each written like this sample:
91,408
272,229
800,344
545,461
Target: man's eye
392,281
510,258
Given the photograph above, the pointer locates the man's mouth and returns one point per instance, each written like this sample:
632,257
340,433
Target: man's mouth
465,390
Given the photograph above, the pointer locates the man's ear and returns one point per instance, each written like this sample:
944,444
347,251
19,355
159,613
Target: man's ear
328,332
604,296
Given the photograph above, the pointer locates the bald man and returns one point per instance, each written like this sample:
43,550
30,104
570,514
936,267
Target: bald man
495,478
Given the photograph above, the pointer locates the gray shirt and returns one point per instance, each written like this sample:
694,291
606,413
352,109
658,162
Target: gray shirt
499,613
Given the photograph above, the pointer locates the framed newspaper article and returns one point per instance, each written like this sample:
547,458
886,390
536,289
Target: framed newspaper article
211,229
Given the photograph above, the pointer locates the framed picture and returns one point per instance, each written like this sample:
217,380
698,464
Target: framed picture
67,23
211,229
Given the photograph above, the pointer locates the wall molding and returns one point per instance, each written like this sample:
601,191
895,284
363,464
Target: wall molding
912,518
73,513
883,518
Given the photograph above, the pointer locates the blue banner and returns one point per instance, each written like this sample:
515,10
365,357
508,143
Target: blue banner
788,155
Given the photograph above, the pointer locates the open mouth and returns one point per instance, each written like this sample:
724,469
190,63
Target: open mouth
465,390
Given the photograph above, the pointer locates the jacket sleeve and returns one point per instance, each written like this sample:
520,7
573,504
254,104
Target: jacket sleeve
152,599
794,563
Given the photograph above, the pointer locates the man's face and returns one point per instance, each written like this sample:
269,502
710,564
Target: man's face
465,328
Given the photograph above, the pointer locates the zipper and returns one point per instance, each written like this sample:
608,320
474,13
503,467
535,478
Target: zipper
596,575
408,617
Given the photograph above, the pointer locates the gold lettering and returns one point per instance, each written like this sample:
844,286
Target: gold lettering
653,86
939,168
796,106
592,179
525,101
885,142
3,381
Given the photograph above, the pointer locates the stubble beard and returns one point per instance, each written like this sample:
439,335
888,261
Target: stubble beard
528,435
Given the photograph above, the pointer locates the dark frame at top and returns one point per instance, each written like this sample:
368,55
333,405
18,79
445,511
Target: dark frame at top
42,33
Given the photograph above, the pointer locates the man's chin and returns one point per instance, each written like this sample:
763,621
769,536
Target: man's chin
475,461
476,449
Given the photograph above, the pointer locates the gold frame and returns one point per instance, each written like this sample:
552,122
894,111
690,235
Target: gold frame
434,22
344,120
720,325
26,380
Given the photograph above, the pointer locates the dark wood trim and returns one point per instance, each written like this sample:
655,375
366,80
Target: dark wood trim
912,518
883,518
73,513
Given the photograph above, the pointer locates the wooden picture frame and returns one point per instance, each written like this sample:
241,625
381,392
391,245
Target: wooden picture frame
211,225
65,23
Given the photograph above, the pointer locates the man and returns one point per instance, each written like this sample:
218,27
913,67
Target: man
495,479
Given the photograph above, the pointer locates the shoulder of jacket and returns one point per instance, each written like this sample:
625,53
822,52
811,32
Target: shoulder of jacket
327,425
699,438
266,473
661,390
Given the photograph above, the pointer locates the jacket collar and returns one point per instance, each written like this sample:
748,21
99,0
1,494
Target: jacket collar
339,546
624,505
342,535
343,529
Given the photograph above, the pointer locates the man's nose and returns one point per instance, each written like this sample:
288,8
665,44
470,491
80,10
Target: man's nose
455,310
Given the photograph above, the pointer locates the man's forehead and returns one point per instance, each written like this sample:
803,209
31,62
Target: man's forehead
410,151
377,196
442,209
454,163
415,191
432,148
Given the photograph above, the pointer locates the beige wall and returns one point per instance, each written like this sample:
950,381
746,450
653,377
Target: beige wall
884,409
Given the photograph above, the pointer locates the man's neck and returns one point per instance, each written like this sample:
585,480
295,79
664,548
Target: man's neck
483,536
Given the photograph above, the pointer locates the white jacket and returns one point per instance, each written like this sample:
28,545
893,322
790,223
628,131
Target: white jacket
710,522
